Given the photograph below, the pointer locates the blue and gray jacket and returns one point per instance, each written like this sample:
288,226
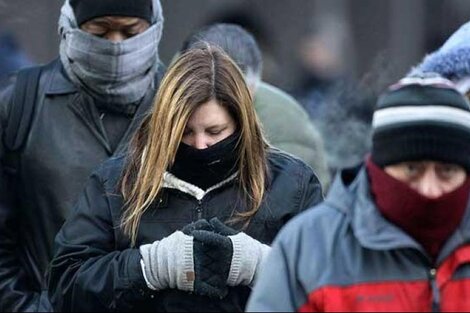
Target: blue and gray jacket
342,255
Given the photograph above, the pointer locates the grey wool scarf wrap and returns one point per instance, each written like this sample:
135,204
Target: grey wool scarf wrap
112,73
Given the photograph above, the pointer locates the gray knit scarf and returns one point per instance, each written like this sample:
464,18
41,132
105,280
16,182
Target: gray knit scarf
114,74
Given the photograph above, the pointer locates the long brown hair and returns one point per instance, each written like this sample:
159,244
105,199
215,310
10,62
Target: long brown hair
196,77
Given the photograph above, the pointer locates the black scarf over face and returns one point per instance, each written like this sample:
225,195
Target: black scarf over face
205,168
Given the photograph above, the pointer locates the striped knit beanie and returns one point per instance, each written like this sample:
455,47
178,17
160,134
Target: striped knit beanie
421,118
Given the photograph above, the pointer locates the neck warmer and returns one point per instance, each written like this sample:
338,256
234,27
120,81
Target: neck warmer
205,168
429,221
118,74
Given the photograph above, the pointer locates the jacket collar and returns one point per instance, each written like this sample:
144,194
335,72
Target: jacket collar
460,237
173,182
372,230
59,82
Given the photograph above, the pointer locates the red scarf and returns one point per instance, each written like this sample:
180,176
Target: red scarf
429,221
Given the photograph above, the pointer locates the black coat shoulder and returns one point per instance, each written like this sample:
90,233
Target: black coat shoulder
288,172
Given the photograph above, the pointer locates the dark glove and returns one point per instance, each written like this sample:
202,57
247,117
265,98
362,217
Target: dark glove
222,229
201,224
212,260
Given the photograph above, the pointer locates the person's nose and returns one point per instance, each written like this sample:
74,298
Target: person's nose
430,185
201,142
115,36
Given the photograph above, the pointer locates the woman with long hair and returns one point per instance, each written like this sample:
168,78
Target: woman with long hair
184,220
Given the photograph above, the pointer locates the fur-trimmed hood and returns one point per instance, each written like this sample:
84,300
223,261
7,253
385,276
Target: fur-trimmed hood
172,182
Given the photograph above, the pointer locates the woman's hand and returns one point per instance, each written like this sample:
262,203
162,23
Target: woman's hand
205,258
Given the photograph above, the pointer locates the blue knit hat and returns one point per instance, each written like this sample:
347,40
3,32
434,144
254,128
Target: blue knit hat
452,60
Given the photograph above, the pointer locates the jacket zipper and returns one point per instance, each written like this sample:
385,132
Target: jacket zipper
435,290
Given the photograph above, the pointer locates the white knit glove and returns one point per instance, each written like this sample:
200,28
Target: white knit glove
169,263
248,257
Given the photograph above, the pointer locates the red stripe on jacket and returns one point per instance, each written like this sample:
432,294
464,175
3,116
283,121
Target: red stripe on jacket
395,296
390,296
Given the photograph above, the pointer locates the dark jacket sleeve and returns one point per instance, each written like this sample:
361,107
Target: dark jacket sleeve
16,292
87,272
312,193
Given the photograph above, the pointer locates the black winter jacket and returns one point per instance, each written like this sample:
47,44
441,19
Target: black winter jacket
95,269
66,143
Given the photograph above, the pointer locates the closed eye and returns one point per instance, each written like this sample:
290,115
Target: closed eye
215,131
447,171
133,30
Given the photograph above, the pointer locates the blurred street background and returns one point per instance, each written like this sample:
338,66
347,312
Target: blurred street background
333,56
346,36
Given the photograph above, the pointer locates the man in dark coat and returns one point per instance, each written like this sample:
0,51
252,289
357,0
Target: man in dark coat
89,102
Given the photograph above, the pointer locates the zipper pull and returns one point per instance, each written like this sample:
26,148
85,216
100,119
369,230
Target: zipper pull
435,290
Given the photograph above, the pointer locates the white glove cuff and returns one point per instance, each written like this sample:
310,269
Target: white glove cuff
142,267
169,263
247,257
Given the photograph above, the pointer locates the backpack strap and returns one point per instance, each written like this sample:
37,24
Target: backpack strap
22,107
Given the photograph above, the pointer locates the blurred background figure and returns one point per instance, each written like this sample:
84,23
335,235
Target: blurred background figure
340,106
323,55
405,29
285,124
12,57
250,20
394,34
345,123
